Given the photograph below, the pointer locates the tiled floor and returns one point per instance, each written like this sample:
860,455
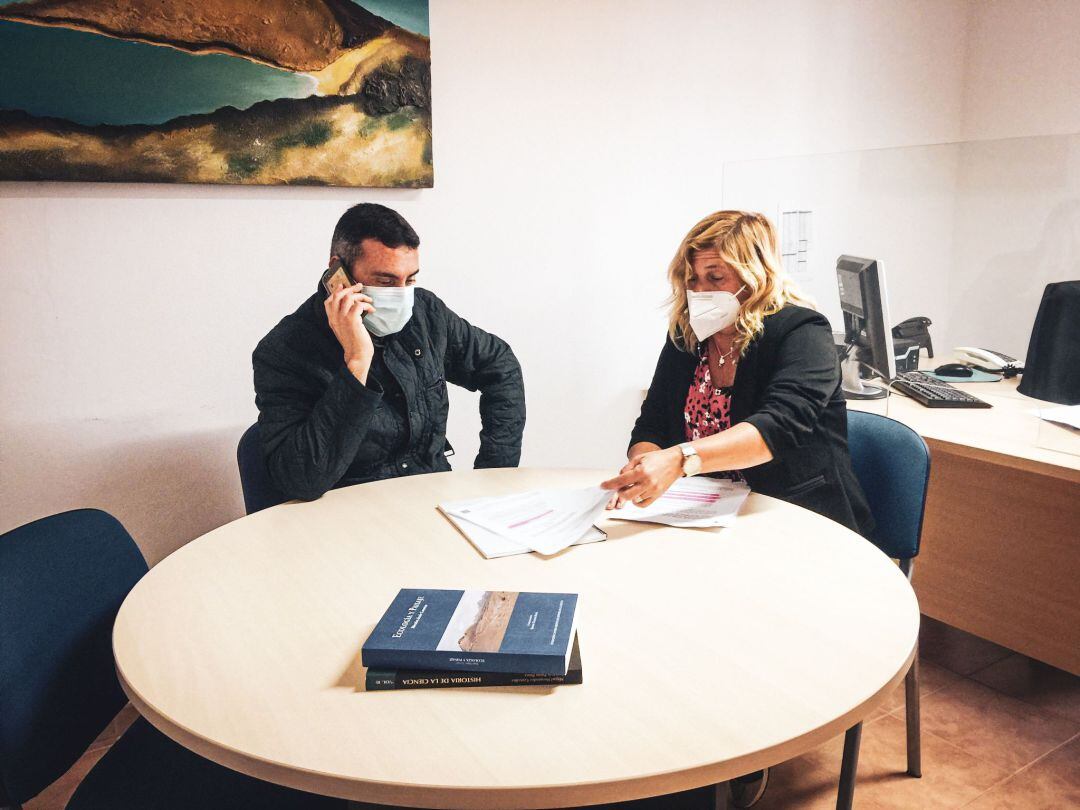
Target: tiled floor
999,731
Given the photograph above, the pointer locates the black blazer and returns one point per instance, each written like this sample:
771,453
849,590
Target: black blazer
787,385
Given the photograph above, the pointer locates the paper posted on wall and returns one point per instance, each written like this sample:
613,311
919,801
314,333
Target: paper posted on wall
695,502
546,521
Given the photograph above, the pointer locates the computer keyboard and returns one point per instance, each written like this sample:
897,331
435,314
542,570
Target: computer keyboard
933,393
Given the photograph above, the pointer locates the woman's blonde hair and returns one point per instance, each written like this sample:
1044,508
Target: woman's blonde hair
747,242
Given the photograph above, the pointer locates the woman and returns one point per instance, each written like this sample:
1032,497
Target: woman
747,386
748,382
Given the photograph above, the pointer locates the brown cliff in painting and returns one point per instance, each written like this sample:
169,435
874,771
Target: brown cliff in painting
486,632
297,92
299,35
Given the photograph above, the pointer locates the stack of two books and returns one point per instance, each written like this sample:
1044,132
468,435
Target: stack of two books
439,638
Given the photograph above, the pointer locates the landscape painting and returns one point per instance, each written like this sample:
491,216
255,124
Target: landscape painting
264,92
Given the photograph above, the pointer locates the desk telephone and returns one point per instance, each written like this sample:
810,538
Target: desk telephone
916,330
987,360
914,334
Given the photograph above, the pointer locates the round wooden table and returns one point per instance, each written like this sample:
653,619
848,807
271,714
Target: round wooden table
706,653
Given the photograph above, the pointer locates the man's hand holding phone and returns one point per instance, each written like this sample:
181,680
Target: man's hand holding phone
345,310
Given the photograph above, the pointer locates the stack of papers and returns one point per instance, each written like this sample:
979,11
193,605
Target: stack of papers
546,520
692,503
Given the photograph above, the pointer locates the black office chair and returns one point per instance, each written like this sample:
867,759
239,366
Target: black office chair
892,463
62,580
259,491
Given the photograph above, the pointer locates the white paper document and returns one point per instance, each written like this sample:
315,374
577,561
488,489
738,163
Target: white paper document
546,520
692,503
1065,415
492,544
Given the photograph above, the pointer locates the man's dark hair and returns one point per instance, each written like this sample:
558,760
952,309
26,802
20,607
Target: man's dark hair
370,221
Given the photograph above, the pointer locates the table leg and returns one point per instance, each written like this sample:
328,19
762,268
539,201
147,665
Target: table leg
912,715
846,794
722,796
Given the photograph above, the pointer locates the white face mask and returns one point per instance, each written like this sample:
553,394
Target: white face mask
711,312
393,308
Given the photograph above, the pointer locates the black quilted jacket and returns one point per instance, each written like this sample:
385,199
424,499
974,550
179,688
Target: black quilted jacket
322,428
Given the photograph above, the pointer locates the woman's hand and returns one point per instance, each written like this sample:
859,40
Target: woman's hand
645,478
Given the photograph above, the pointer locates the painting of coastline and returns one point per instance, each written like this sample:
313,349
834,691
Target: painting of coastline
262,92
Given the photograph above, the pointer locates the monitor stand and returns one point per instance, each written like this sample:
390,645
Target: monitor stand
853,385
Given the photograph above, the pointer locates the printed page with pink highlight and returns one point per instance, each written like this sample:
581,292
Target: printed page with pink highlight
690,503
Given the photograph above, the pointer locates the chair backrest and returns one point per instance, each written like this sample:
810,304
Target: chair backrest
892,463
259,491
62,579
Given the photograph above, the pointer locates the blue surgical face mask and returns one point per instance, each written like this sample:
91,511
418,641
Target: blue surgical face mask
393,308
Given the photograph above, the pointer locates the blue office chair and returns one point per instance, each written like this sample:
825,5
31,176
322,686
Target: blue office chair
259,491
62,580
892,463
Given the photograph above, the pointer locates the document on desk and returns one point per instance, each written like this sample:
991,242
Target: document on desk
692,503
1065,415
543,520
492,544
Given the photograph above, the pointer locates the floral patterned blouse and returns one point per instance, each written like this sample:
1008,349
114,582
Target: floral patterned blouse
708,409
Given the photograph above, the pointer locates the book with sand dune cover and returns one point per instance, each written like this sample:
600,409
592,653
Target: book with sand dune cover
478,631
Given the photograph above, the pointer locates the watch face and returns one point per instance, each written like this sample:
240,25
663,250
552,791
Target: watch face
691,464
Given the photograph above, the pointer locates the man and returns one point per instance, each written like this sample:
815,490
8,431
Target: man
352,386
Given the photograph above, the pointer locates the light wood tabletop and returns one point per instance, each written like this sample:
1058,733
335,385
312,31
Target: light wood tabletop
1009,430
706,653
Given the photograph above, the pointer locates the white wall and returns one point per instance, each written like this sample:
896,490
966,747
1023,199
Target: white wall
1017,229
575,141
1022,69
894,205
969,233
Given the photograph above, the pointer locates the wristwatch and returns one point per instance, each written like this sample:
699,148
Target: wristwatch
691,461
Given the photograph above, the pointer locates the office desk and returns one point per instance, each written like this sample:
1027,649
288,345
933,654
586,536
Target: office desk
706,653
1001,541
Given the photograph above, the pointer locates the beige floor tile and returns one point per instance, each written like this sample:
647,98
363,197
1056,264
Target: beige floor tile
800,783
993,727
932,678
1052,782
1034,682
56,795
956,650
951,776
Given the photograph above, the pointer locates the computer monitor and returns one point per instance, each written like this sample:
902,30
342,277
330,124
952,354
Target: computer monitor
867,334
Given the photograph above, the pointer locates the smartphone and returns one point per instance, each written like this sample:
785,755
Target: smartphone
335,277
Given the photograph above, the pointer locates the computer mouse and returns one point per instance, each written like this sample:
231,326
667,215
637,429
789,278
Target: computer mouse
953,370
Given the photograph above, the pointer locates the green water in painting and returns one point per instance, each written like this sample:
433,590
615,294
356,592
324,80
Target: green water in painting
93,79
412,15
